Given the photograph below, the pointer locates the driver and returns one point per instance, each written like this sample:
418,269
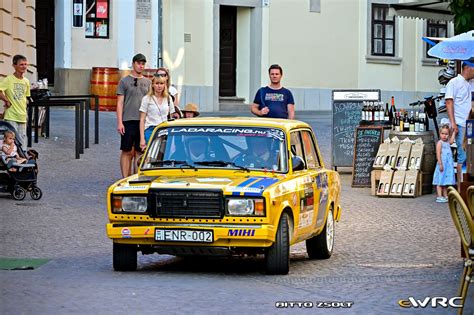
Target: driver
197,148
259,153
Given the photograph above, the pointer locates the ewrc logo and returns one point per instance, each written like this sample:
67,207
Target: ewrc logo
241,232
431,302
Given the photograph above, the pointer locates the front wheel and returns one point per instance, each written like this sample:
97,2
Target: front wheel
321,246
277,256
36,193
19,193
125,257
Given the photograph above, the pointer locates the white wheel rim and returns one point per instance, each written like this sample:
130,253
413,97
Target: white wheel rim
330,231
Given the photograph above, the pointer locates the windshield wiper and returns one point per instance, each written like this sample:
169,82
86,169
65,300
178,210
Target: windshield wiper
182,163
222,163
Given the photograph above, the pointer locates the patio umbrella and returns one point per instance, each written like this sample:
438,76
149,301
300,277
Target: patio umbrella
459,47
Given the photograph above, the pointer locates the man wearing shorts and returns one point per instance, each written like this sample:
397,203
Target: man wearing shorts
458,102
130,92
14,91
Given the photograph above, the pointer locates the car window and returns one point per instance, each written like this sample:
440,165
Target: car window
311,154
295,144
218,147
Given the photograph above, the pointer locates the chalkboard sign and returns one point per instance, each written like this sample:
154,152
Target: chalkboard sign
346,115
366,144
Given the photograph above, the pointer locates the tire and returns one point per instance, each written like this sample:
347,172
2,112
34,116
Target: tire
277,256
322,245
125,257
19,193
36,193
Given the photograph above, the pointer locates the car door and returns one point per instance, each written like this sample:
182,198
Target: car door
305,179
319,178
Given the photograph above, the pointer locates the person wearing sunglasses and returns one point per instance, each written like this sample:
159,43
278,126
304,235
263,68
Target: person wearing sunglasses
165,73
130,92
274,101
156,107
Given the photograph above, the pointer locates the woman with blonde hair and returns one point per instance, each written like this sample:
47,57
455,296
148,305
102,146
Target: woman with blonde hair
173,92
155,108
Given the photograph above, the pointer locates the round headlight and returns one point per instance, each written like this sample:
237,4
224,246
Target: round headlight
240,207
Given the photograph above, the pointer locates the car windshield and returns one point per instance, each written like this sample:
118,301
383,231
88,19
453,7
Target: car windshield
240,148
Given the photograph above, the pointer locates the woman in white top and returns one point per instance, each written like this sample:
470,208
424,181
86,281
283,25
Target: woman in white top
154,109
164,73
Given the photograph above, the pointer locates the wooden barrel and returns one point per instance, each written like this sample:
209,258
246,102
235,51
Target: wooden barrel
104,83
428,163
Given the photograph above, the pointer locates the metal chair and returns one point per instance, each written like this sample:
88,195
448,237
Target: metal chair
465,226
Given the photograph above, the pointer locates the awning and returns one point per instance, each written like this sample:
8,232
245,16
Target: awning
424,9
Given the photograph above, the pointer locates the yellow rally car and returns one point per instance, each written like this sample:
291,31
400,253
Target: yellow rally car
224,186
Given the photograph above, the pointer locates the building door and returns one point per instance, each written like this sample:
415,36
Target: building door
227,55
45,39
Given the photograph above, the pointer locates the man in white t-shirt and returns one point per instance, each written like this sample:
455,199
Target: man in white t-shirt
458,103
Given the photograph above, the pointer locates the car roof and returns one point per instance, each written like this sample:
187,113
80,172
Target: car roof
285,124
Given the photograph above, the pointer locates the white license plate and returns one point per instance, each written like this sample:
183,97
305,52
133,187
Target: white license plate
183,235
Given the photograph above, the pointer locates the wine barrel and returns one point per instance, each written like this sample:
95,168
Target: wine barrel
104,83
428,163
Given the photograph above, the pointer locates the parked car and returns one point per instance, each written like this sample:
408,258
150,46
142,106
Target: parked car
225,186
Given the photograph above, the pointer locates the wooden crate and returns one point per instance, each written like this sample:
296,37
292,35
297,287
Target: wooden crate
375,179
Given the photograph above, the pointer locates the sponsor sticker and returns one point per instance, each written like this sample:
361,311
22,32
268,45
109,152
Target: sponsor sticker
305,219
212,180
245,189
130,188
126,233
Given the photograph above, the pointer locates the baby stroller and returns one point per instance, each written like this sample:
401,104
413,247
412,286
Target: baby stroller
17,179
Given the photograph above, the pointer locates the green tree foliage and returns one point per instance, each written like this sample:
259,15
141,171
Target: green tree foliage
463,11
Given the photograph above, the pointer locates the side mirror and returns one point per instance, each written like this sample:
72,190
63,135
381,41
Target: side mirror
297,163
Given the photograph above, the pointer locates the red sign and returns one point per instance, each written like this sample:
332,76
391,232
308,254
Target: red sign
102,9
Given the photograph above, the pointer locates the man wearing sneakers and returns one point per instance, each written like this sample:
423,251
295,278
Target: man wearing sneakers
274,101
130,92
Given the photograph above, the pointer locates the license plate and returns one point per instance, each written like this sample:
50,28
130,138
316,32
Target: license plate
184,235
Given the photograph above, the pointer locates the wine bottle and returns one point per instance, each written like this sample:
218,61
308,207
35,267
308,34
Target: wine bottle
376,111
395,123
381,112
386,115
411,126
372,111
362,111
406,122
417,121
400,120
422,121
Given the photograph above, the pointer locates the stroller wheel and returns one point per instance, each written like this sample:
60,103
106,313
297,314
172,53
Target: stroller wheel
19,193
36,193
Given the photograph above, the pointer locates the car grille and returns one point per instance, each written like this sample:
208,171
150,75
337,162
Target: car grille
186,204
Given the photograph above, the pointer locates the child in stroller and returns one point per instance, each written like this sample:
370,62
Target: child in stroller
18,171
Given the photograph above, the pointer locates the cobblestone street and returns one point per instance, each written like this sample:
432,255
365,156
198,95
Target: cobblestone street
386,249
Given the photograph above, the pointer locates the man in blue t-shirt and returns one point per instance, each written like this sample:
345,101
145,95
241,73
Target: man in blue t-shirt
274,101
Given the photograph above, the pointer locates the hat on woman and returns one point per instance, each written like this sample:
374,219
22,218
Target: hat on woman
191,108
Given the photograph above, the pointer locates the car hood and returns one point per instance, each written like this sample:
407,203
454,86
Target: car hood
238,186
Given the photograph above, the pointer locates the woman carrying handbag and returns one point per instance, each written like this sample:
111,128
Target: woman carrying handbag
156,107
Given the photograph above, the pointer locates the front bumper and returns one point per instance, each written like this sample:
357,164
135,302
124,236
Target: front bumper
225,235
